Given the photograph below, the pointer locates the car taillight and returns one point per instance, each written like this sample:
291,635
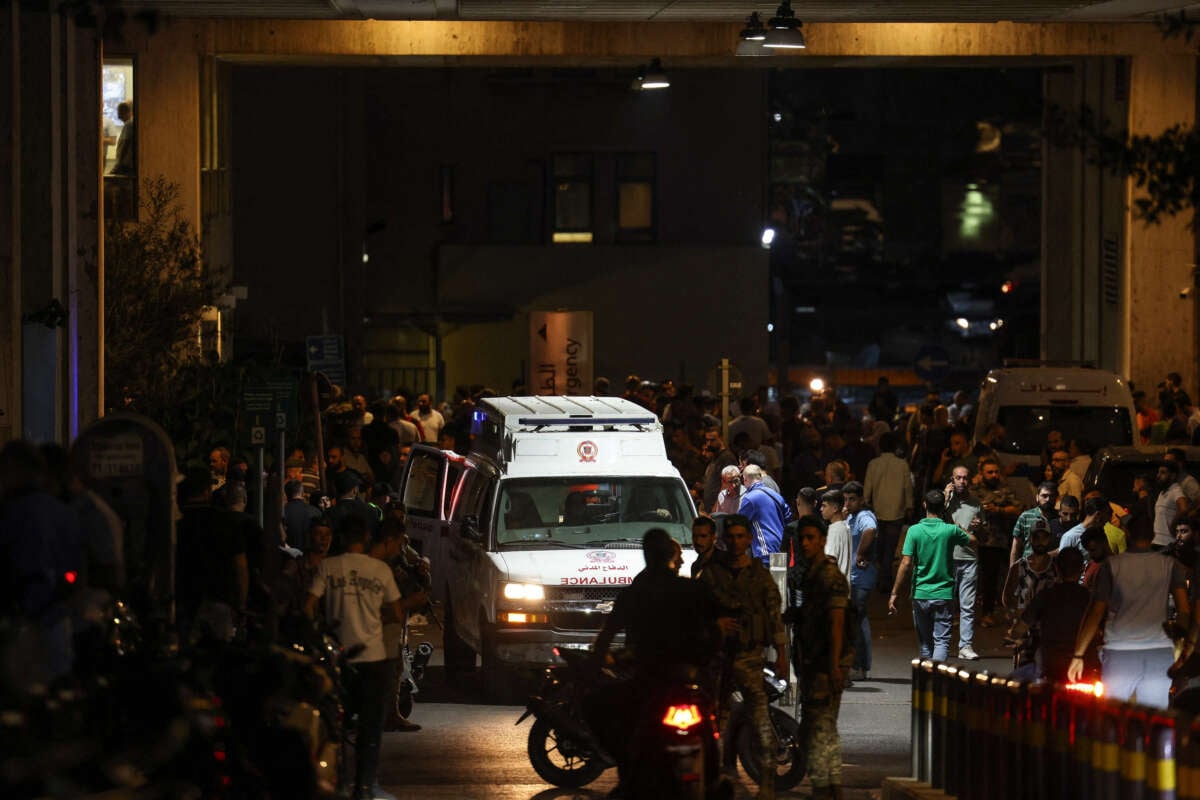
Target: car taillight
682,717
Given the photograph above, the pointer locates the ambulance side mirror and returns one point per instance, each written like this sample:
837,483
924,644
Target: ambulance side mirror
470,527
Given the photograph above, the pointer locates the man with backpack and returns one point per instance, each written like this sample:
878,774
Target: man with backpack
767,512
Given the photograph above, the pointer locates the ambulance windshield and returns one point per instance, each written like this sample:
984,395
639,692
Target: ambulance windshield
591,510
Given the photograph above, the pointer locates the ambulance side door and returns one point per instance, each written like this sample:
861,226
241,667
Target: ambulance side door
468,546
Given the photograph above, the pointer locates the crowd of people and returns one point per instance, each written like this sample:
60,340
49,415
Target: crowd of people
913,487
853,502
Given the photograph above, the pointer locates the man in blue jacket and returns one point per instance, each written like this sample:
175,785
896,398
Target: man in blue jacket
767,512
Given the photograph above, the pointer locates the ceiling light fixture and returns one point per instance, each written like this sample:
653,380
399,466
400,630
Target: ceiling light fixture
651,77
783,29
750,40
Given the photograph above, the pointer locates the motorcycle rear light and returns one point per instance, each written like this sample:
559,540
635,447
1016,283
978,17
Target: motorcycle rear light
1096,689
682,717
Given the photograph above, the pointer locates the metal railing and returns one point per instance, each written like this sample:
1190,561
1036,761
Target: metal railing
979,736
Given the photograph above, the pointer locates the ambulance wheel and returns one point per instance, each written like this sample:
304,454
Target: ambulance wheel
459,657
496,676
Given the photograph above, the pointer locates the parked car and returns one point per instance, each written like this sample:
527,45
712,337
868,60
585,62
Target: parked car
1114,468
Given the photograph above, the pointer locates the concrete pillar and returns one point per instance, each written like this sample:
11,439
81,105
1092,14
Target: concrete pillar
50,256
40,219
1161,258
1083,224
10,243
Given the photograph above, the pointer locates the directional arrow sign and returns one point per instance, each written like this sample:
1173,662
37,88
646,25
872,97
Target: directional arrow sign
327,354
932,364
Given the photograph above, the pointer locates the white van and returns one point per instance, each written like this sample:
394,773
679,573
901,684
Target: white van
534,532
1031,401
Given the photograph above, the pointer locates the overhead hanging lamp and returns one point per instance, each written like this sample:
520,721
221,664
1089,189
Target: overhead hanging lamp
651,77
750,40
783,29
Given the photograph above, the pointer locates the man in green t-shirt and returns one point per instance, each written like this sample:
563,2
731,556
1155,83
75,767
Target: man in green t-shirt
930,545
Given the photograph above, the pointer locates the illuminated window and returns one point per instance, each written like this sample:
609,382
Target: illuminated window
573,178
635,197
119,135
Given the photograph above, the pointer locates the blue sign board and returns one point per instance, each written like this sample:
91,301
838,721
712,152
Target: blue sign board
932,364
327,354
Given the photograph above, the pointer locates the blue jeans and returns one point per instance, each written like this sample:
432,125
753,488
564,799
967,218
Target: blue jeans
1142,671
964,586
933,619
862,638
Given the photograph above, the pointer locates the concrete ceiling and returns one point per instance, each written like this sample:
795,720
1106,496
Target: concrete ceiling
677,10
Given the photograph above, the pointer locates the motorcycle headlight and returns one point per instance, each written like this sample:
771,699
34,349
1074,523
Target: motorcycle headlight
524,591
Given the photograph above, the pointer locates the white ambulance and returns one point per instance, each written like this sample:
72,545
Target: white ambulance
532,534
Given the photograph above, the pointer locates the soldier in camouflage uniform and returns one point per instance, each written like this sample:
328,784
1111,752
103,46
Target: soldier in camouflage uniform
747,592
820,622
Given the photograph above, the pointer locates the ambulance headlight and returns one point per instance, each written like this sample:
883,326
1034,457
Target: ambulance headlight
524,591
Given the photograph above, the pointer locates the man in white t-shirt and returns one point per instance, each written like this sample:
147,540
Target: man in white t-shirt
429,419
837,541
356,589
1169,504
1131,591
1187,482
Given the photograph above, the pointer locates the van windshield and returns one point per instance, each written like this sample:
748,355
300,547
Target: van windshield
589,511
1026,426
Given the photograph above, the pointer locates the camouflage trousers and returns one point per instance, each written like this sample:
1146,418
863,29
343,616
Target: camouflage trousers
746,674
818,723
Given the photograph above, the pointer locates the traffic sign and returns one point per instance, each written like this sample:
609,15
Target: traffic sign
327,354
268,406
932,364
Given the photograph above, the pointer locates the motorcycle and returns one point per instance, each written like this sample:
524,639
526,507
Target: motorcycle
413,664
410,577
791,756
673,735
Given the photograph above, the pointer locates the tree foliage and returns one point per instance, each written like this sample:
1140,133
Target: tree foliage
1165,168
156,287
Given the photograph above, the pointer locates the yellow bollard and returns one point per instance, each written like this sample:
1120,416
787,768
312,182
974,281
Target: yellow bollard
1160,759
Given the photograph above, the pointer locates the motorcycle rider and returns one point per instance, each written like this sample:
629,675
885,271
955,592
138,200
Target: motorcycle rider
668,621
744,586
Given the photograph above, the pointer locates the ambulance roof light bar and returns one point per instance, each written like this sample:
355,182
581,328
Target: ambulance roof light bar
542,422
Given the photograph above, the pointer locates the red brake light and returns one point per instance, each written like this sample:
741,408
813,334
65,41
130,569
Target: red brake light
70,576
682,717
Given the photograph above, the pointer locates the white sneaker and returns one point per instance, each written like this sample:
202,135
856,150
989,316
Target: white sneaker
968,653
